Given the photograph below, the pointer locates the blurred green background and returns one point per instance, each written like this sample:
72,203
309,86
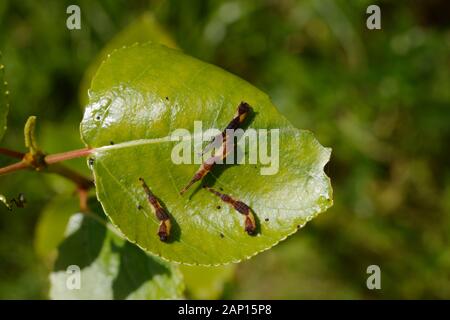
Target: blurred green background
380,99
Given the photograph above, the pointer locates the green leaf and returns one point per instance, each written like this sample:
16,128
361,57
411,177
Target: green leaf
52,224
139,96
4,103
110,267
141,30
206,282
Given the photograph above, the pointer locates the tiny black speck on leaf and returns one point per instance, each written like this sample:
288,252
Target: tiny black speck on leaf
139,207
111,142
266,219
221,235
218,207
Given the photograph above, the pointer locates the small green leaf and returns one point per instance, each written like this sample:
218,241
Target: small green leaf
141,30
4,103
139,96
52,224
206,282
110,267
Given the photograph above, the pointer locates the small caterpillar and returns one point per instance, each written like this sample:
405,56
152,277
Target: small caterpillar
239,206
227,144
160,212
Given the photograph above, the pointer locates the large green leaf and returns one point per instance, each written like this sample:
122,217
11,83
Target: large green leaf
137,98
110,267
4,104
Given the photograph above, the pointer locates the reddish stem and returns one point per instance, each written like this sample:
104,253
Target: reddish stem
11,153
82,182
58,157
14,167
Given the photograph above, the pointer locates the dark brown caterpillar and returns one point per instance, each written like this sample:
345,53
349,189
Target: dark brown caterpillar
241,114
239,206
160,212
227,144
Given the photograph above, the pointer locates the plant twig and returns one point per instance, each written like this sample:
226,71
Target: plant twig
48,159
11,153
58,157
14,167
83,195
80,180
36,159
50,164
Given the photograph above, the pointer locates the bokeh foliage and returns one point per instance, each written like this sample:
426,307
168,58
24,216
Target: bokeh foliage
380,99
